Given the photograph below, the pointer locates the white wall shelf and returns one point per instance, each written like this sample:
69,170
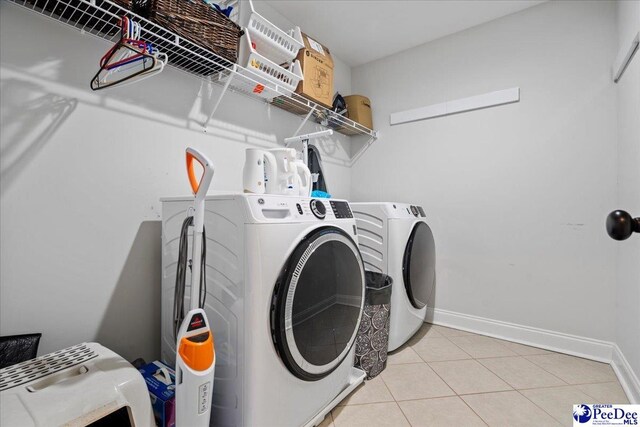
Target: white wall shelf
492,99
100,18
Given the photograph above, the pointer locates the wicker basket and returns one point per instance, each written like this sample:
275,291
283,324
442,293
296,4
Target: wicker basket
196,21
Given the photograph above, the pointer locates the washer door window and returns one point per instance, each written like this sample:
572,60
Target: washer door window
317,304
418,266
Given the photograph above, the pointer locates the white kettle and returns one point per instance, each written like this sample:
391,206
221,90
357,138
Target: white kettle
286,178
303,178
260,171
293,176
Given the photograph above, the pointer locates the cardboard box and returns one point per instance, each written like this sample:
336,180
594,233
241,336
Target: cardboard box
162,392
359,110
317,69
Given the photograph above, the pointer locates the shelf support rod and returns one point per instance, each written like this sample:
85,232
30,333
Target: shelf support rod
304,139
215,107
304,121
359,154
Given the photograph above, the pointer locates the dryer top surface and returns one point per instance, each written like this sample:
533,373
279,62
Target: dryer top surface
391,210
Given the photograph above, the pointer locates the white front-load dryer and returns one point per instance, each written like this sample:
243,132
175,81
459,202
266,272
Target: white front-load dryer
284,296
394,239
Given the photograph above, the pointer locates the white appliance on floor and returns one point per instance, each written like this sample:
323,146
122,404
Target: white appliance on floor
76,386
394,239
284,296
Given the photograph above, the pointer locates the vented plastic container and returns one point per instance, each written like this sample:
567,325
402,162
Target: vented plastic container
286,79
272,42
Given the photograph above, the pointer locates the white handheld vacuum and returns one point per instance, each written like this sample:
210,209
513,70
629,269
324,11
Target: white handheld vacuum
195,354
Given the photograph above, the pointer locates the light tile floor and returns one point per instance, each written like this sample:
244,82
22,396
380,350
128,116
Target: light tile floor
447,377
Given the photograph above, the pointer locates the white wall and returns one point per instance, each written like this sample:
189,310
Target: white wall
628,251
82,173
516,195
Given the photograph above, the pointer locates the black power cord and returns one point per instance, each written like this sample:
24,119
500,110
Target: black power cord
181,274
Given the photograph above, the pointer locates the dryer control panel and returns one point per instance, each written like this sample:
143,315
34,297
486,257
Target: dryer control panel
404,210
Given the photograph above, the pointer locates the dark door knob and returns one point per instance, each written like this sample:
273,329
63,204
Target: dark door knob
620,225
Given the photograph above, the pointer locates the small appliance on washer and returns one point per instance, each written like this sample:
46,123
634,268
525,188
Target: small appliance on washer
284,296
395,239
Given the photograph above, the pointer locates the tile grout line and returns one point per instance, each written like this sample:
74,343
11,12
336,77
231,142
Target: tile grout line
373,403
441,379
490,338
393,397
516,355
452,389
546,370
473,410
524,356
439,397
403,414
461,349
540,407
529,388
452,360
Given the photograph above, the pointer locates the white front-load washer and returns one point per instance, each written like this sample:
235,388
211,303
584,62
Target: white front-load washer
284,296
394,239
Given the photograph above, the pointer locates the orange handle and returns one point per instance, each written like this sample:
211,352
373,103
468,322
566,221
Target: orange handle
195,182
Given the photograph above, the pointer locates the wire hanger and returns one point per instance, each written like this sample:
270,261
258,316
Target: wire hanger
130,60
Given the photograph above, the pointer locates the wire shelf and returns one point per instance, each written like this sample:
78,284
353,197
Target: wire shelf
100,18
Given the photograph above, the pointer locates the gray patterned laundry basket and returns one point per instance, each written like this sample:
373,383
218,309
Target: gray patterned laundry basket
372,342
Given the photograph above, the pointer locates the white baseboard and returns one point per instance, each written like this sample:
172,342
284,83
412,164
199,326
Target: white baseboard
626,376
588,348
601,351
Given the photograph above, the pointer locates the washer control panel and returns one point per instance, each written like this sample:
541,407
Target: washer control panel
317,208
341,209
272,207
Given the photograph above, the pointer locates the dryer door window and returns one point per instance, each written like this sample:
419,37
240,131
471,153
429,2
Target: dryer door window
317,304
418,266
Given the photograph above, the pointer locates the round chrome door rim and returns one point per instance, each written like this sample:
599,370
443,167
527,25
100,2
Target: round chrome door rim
288,313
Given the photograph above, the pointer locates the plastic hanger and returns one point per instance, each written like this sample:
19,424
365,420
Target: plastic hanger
130,60
107,77
130,32
126,54
161,61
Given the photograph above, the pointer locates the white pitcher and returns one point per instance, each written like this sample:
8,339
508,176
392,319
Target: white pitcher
303,178
260,171
286,181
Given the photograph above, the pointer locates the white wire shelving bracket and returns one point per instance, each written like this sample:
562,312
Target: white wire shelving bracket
100,18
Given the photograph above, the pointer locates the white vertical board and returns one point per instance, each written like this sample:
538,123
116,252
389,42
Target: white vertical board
492,99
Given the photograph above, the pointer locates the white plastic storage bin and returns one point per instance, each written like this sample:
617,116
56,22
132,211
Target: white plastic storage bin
269,40
272,42
268,70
